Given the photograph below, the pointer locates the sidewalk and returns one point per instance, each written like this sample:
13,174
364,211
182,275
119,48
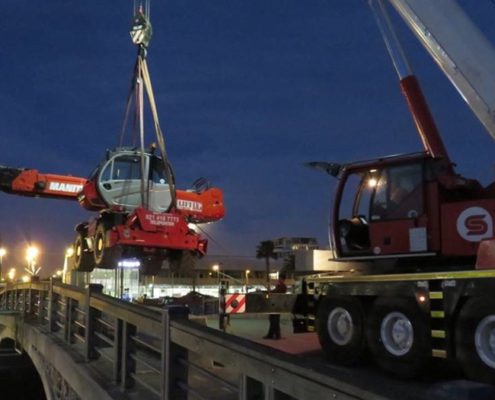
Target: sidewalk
254,328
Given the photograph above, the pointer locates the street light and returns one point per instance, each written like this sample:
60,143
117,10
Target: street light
32,253
2,254
216,268
69,252
247,272
11,274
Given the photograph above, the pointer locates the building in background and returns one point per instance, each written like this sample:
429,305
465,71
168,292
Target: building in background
286,246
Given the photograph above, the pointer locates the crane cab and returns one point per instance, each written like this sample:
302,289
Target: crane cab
407,207
380,209
118,181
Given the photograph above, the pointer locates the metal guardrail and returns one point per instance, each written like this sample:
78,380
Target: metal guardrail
162,354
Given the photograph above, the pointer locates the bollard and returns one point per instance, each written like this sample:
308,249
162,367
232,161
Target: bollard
171,370
222,291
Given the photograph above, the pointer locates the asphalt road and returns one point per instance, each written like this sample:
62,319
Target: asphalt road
440,383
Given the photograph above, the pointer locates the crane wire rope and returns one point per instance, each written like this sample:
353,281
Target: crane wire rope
141,35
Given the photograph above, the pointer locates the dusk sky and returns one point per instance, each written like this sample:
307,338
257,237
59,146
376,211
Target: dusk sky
247,91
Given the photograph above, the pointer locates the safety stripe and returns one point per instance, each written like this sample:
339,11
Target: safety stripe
439,353
437,314
235,303
438,334
488,273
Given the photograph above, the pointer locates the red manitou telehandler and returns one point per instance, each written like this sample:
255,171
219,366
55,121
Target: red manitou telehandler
141,214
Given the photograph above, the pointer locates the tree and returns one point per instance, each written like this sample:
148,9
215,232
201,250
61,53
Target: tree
266,250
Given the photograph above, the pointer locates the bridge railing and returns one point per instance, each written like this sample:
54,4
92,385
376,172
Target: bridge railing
160,353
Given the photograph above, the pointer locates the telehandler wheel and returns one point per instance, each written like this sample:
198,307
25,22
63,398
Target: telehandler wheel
475,339
398,336
182,260
83,260
340,327
104,257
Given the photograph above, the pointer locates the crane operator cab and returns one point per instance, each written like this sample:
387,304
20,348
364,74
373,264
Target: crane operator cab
120,184
379,209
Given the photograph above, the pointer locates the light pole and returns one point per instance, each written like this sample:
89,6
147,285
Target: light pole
32,253
3,252
11,274
216,268
69,252
247,272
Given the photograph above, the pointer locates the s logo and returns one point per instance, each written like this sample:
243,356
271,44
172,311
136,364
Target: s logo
475,224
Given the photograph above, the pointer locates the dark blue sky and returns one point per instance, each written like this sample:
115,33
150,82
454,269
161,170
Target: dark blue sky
247,92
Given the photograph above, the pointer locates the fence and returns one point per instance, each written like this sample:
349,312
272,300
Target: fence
161,353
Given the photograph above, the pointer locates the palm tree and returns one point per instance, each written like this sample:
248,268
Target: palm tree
266,250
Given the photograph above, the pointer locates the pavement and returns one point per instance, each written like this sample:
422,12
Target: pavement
256,328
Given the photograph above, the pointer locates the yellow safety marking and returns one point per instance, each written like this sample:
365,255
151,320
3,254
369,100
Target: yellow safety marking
487,273
436,295
438,334
437,314
439,353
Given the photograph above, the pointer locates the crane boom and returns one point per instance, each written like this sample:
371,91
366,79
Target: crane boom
460,49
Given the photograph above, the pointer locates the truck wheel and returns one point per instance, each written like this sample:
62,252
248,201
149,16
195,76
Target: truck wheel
83,261
340,327
398,336
182,260
475,339
104,257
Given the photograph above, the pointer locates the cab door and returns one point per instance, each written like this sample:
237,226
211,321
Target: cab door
119,182
160,198
398,222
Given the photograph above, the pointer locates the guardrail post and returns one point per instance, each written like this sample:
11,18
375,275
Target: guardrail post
250,389
117,350
127,362
172,371
91,315
41,306
4,299
29,306
52,307
68,319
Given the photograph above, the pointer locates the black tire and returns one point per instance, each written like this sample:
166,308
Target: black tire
151,265
104,257
182,260
83,259
407,354
475,325
340,327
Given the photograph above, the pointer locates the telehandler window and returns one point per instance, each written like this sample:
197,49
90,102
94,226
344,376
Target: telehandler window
126,168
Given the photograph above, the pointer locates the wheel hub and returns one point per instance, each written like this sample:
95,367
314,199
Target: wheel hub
340,326
484,339
397,333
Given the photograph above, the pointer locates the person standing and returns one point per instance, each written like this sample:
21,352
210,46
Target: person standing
274,329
